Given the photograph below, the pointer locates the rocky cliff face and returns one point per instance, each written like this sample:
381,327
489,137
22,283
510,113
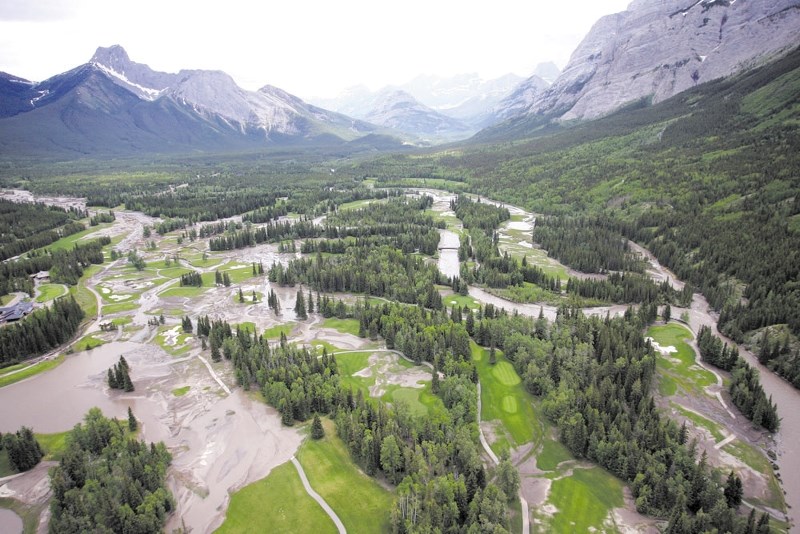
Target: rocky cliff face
658,48
214,94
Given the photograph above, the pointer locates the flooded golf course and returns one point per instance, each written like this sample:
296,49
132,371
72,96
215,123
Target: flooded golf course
222,437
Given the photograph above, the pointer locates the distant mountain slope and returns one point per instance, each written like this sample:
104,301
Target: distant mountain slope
115,106
401,111
658,48
467,98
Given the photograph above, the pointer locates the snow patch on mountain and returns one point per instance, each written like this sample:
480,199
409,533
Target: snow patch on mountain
142,91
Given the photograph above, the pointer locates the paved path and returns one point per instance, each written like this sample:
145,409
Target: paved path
485,443
214,375
526,526
317,497
725,441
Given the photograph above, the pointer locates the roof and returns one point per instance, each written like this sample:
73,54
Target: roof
15,312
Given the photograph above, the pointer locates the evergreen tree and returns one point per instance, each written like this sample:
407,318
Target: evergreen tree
317,432
300,306
22,448
733,490
667,313
112,379
127,384
241,296
133,424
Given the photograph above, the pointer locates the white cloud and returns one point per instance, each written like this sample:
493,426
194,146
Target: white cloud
306,47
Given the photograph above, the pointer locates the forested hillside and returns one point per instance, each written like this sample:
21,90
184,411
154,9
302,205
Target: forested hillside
707,180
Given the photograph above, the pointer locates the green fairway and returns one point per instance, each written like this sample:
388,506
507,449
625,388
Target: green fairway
505,374
109,309
504,399
84,297
358,204
87,342
351,363
185,291
460,301
552,454
173,272
53,445
420,401
713,428
679,370
584,501
40,367
48,292
180,392
346,326
279,504
276,331
69,242
361,503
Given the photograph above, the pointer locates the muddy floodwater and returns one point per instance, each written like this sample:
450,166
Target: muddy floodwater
10,523
219,442
55,401
448,253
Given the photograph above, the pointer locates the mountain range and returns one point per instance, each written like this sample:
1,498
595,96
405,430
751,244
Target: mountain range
453,107
113,106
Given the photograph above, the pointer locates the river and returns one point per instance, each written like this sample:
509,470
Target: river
784,394
221,442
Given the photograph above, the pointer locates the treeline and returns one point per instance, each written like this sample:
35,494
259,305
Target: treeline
108,481
207,230
266,213
400,223
22,448
629,287
101,217
42,330
482,215
780,357
587,244
381,272
436,461
65,266
268,233
745,387
26,226
594,379
201,203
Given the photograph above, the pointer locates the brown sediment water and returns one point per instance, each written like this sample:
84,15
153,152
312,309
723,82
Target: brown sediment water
219,442
10,523
448,254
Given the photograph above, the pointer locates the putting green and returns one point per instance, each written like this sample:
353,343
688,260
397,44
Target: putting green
505,374
509,404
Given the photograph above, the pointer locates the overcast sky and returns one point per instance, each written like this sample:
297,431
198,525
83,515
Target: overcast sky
307,47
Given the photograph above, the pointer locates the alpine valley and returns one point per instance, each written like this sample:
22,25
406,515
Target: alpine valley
562,303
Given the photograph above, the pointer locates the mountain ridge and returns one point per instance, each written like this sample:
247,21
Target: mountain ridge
658,48
112,105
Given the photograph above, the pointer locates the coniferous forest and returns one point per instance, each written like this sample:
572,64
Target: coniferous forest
488,400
